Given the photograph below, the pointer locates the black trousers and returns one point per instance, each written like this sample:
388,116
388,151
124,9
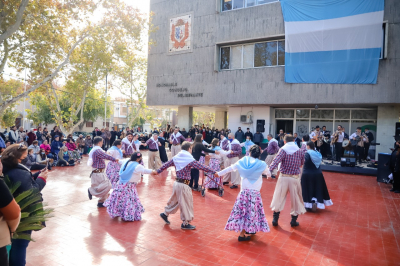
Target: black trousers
194,178
38,167
396,181
325,149
63,163
366,150
338,150
359,153
3,256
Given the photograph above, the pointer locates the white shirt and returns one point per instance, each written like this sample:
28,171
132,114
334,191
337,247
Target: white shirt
218,156
313,134
137,174
245,183
114,154
341,137
354,135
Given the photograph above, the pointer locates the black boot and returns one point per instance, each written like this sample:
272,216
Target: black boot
293,222
276,217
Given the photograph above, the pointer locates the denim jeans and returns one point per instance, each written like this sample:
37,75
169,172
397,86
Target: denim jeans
18,252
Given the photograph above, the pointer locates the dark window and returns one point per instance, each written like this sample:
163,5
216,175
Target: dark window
107,124
225,57
226,5
281,53
265,54
89,124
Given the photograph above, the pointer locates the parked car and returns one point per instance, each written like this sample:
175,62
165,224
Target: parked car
76,134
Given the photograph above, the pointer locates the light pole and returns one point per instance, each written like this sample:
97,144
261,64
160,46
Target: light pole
105,103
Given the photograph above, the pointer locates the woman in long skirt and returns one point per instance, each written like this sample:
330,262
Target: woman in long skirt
124,201
161,149
113,168
314,189
247,216
215,164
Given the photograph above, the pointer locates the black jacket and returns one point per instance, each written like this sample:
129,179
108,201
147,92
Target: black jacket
370,137
185,134
248,134
197,151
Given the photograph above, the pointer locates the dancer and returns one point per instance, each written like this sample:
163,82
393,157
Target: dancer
163,152
215,164
154,154
233,157
182,194
100,183
124,201
291,159
175,140
247,144
113,168
272,151
313,186
128,145
247,216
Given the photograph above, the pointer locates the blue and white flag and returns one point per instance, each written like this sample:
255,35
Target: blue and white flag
332,41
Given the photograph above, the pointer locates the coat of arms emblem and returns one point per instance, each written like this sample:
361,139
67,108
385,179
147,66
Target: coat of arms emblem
180,32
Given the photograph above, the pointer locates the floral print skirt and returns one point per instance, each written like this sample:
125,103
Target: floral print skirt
124,202
112,172
215,165
248,213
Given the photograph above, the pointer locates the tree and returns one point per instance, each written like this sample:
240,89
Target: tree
206,118
8,89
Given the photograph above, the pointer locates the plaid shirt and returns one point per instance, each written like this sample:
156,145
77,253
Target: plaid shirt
185,172
176,140
272,147
290,164
98,159
237,150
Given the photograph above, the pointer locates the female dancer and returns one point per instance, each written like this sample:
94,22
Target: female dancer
247,215
113,167
124,201
215,164
313,186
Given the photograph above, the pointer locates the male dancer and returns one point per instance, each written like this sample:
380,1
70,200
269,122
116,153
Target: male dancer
154,154
100,183
291,159
128,145
182,194
175,139
233,157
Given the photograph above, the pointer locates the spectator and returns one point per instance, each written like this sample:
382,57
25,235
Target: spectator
22,136
35,147
56,145
13,135
258,138
88,144
248,133
42,158
8,143
10,214
113,135
297,140
73,149
39,135
16,172
56,132
46,135
184,133
30,162
107,137
2,143
80,144
239,135
46,147
31,137
65,158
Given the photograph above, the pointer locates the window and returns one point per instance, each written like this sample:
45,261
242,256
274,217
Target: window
253,55
107,124
225,57
89,124
123,111
238,4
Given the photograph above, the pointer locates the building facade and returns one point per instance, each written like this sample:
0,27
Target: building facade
227,56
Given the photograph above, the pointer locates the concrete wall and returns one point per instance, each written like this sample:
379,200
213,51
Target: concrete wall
258,113
387,118
262,86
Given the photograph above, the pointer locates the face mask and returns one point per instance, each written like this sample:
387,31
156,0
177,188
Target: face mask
43,153
366,131
230,140
247,140
65,152
215,132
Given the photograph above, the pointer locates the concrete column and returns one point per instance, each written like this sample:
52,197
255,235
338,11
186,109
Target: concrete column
185,117
387,118
221,119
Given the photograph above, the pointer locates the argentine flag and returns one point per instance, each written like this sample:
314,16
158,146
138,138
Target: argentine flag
332,41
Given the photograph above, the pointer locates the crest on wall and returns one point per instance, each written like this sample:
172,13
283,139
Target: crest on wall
180,33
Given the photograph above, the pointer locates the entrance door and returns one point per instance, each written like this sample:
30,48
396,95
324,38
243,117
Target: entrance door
286,125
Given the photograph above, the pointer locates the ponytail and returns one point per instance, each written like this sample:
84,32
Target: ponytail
133,158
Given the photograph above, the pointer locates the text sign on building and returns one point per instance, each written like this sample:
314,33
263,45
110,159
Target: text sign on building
180,35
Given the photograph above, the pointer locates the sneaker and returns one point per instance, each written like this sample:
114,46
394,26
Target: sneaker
272,176
234,186
250,233
244,238
225,183
100,205
89,194
188,227
164,217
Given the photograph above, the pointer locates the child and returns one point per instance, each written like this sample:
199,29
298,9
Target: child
215,164
247,215
72,149
124,200
113,168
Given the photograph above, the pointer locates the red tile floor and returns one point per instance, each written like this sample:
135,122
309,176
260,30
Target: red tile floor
361,228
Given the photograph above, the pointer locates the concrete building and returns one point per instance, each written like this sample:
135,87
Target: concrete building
207,57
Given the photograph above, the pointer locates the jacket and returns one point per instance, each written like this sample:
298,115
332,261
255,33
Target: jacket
10,214
239,135
61,156
80,142
29,161
197,151
258,138
13,136
88,142
248,134
56,146
71,146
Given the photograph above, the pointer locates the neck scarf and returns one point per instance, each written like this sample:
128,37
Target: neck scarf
90,161
126,175
176,136
248,144
216,148
251,168
182,159
155,141
129,143
290,148
232,141
316,157
115,148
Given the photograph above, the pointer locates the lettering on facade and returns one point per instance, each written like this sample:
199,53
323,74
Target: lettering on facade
172,89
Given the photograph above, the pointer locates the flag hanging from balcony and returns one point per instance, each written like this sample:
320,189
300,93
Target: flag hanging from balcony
332,41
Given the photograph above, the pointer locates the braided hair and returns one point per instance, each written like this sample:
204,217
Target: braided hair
133,158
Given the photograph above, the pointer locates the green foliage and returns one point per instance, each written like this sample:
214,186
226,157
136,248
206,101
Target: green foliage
206,118
32,212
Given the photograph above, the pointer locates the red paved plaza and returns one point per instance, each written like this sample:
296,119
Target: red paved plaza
361,228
